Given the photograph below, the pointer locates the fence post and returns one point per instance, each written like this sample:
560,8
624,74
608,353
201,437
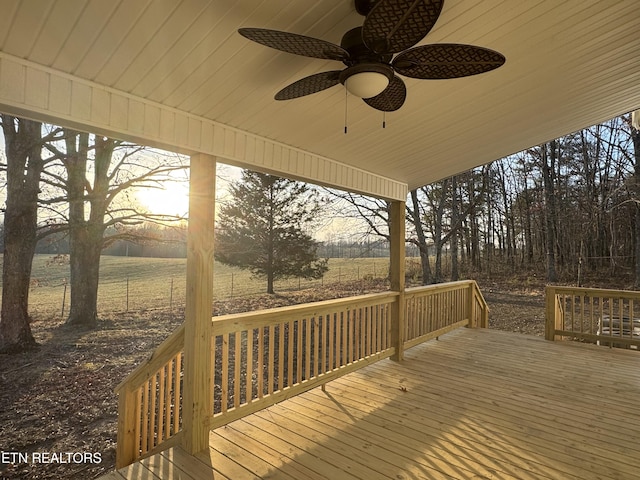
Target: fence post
64,298
171,296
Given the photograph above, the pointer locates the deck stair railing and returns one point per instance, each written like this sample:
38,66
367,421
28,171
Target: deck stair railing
437,309
149,401
602,316
263,357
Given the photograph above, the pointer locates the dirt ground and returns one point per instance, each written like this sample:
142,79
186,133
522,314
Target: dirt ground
58,401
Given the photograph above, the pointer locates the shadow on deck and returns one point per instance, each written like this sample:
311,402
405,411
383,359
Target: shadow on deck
475,404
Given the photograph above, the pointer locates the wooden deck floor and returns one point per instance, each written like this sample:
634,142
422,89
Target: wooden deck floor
475,404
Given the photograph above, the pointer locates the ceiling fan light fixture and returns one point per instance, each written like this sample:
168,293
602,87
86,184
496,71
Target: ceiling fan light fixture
366,84
366,80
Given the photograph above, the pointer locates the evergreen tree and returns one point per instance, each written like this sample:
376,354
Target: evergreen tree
265,228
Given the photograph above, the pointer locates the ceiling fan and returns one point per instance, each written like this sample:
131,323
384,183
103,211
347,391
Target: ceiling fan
390,27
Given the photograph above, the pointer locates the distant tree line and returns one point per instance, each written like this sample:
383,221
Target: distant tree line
563,208
171,242
566,207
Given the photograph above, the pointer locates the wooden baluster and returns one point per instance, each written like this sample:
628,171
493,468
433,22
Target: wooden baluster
344,347
366,313
422,313
145,417
281,356
176,415
620,316
383,327
317,349
324,346
332,352
167,400
374,332
237,363
357,354
225,373
249,367
261,362
271,361
631,318
138,419
153,383
160,429
308,354
290,341
299,353
216,358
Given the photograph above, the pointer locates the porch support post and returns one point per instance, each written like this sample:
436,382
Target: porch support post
397,274
197,404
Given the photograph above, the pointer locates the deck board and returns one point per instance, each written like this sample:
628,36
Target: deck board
473,404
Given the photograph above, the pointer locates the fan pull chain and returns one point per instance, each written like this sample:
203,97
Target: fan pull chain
346,101
384,119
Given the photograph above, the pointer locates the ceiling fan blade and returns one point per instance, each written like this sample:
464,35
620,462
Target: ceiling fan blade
296,44
391,98
446,60
395,25
308,85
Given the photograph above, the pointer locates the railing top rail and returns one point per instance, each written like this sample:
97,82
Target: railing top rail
160,356
480,297
439,287
594,292
257,318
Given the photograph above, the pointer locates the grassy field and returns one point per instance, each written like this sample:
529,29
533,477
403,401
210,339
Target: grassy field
137,284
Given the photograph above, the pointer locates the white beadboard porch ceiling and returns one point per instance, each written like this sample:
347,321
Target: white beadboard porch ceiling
570,64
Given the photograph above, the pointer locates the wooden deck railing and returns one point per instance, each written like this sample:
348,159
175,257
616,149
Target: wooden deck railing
605,317
149,399
263,357
434,310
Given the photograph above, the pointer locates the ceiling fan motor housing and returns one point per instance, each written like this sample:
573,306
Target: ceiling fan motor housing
363,7
358,52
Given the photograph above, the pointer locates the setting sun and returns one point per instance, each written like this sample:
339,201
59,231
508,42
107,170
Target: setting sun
172,198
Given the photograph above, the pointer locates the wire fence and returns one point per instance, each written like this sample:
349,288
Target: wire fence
135,285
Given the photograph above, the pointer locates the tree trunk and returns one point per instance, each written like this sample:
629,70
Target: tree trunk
19,247
422,241
438,228
635,135
271,242
270,289
455,221
84,259
86,236
24,167
548,169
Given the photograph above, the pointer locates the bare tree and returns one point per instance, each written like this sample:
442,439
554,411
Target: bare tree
95,175
24,167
